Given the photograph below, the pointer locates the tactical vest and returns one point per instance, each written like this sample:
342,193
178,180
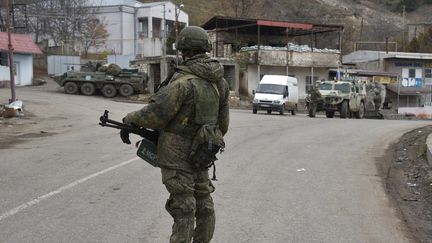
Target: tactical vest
208,140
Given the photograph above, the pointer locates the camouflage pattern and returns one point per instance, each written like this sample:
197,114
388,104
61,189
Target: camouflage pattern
172,110
313,100
190,199
193,38
375,95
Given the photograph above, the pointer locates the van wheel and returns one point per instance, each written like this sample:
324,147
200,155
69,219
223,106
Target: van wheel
269,111
254,111
282,110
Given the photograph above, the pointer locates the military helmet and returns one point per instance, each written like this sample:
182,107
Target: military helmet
193,38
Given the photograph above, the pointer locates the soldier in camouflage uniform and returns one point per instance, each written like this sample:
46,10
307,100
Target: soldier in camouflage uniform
315,97
197,94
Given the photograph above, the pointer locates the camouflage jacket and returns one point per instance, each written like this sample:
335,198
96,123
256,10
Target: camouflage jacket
315,95
171,110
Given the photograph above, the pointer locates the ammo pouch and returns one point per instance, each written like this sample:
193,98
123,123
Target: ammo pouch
206,144
147,151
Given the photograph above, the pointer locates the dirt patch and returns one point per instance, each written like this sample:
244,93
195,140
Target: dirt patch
20,129
408,180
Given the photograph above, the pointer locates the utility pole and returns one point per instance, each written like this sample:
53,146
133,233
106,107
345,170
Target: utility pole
10,48
404,20
164,34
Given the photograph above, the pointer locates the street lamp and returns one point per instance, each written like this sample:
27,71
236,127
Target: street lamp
177,13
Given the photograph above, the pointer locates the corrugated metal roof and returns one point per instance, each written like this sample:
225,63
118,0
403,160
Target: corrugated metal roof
21,43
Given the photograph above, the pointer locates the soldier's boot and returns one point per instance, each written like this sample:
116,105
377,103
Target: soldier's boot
205,220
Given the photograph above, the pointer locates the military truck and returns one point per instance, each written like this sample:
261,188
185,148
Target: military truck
346,97
108,79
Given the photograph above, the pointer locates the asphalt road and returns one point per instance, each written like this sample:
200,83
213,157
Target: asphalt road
281,178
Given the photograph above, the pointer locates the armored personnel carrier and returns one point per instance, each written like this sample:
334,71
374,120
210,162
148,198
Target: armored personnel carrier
109,79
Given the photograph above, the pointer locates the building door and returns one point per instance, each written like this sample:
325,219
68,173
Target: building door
17,75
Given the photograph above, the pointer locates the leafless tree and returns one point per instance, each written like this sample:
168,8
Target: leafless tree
63,22
94,35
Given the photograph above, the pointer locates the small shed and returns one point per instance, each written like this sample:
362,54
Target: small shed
24,49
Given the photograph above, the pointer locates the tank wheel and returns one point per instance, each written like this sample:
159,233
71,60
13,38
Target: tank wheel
269,111
126,90
108,90
88,89
329,114
294,111
360,114
254,111
282,110
312,111
344,109
71,88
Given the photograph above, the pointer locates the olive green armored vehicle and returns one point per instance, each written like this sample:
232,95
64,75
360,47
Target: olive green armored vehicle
345,97
109,79
348,98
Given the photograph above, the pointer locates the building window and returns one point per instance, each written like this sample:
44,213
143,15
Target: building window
157,25
411,73
309,83
428,73
143,28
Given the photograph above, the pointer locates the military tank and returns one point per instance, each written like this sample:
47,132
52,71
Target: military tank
109,79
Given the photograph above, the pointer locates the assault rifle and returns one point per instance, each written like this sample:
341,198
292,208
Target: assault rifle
147,148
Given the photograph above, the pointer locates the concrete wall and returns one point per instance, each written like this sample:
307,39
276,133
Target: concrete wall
298,59
424,111
112,18
121,60
23,69
61,64
4,76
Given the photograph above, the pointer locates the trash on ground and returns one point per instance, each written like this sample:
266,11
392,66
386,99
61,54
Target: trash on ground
13,109
301,170
411,184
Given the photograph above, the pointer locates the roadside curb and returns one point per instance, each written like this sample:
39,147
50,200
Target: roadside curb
429,149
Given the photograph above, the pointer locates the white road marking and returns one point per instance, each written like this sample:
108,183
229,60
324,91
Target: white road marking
61,189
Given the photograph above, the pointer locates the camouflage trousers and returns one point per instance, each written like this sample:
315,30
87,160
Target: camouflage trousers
190,202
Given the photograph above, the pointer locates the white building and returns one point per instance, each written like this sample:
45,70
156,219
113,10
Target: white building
413,87
24,48
137,28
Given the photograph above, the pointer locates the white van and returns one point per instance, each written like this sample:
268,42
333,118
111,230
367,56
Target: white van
276,93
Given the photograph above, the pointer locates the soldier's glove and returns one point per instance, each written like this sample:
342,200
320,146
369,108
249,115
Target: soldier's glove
124,135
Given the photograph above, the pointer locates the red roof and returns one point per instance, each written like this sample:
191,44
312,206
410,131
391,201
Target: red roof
21,43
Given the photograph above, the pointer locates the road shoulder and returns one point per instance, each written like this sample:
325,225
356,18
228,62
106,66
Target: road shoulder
407,178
